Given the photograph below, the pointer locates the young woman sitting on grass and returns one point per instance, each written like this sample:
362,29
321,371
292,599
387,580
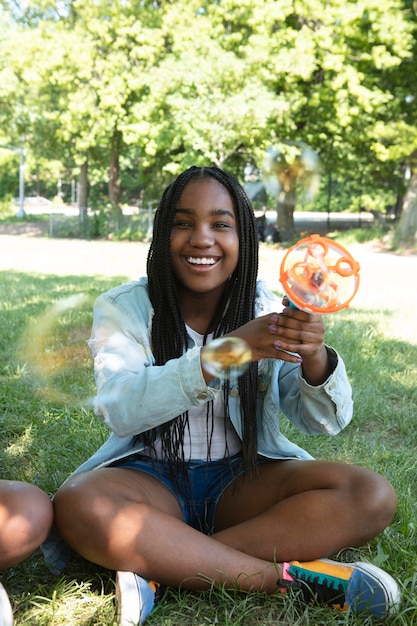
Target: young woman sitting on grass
196,484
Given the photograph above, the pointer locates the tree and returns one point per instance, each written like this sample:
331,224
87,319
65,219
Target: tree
160,86
290,168
397,140
337,58
256,74
406,232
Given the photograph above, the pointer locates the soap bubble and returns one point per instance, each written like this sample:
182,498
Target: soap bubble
56,353
289,166
226,356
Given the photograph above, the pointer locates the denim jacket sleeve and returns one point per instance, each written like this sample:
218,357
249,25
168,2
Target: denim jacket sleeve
321,409
133,397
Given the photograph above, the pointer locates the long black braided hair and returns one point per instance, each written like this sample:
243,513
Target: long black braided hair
169,335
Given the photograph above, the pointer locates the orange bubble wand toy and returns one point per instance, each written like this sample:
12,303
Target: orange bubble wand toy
319,275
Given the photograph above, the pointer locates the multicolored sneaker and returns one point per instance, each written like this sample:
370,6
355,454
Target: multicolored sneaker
360,587
6,613
135,598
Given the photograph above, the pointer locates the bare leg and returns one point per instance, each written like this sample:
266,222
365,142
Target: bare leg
25,520
125,520
304,510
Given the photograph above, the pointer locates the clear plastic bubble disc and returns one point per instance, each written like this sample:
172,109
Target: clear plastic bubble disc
319,275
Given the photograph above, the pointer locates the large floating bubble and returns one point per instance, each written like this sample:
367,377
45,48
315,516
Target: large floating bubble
55,350
291,165
226,356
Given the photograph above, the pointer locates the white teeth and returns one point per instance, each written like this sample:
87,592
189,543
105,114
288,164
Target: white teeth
200,261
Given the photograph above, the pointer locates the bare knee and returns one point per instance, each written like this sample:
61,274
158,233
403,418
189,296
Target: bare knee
90,508
75,507
375,499
26,515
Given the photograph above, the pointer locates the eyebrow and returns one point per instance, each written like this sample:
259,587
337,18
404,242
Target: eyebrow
214,212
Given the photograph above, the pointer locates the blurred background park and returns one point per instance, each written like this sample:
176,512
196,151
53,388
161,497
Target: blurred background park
102,103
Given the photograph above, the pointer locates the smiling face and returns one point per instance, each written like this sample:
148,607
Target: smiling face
204,239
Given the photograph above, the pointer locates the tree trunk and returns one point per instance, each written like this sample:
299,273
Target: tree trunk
114,180
114,177
406,230
83,192
285,212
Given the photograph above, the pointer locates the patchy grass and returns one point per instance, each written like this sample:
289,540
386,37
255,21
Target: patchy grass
48,429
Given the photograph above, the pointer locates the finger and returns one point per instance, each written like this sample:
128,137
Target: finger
295,329
302,348
302,316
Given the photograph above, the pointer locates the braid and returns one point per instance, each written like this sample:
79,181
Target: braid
169,335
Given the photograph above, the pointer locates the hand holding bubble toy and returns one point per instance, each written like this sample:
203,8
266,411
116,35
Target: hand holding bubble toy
319,275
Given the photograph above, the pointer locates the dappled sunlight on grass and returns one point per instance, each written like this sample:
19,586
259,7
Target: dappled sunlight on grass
45,437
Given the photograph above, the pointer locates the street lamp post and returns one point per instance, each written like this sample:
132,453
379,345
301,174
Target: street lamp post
21,212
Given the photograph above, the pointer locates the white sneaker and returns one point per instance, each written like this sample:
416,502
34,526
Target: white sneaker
6,613
135,598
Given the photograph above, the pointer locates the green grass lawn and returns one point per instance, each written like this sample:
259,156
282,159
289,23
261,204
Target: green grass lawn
48,429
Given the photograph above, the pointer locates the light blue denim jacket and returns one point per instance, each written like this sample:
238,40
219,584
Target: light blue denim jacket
133,395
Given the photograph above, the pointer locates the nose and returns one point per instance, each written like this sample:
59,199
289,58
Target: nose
202,236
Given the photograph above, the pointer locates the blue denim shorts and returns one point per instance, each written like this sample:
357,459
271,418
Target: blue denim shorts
198,488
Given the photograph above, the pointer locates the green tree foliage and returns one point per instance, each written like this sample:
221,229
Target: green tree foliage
140,90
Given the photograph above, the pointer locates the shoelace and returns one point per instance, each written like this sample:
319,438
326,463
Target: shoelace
310,589
325,593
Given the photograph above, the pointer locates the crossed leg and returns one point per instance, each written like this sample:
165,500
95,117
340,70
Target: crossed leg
304,510
123,519
25,520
